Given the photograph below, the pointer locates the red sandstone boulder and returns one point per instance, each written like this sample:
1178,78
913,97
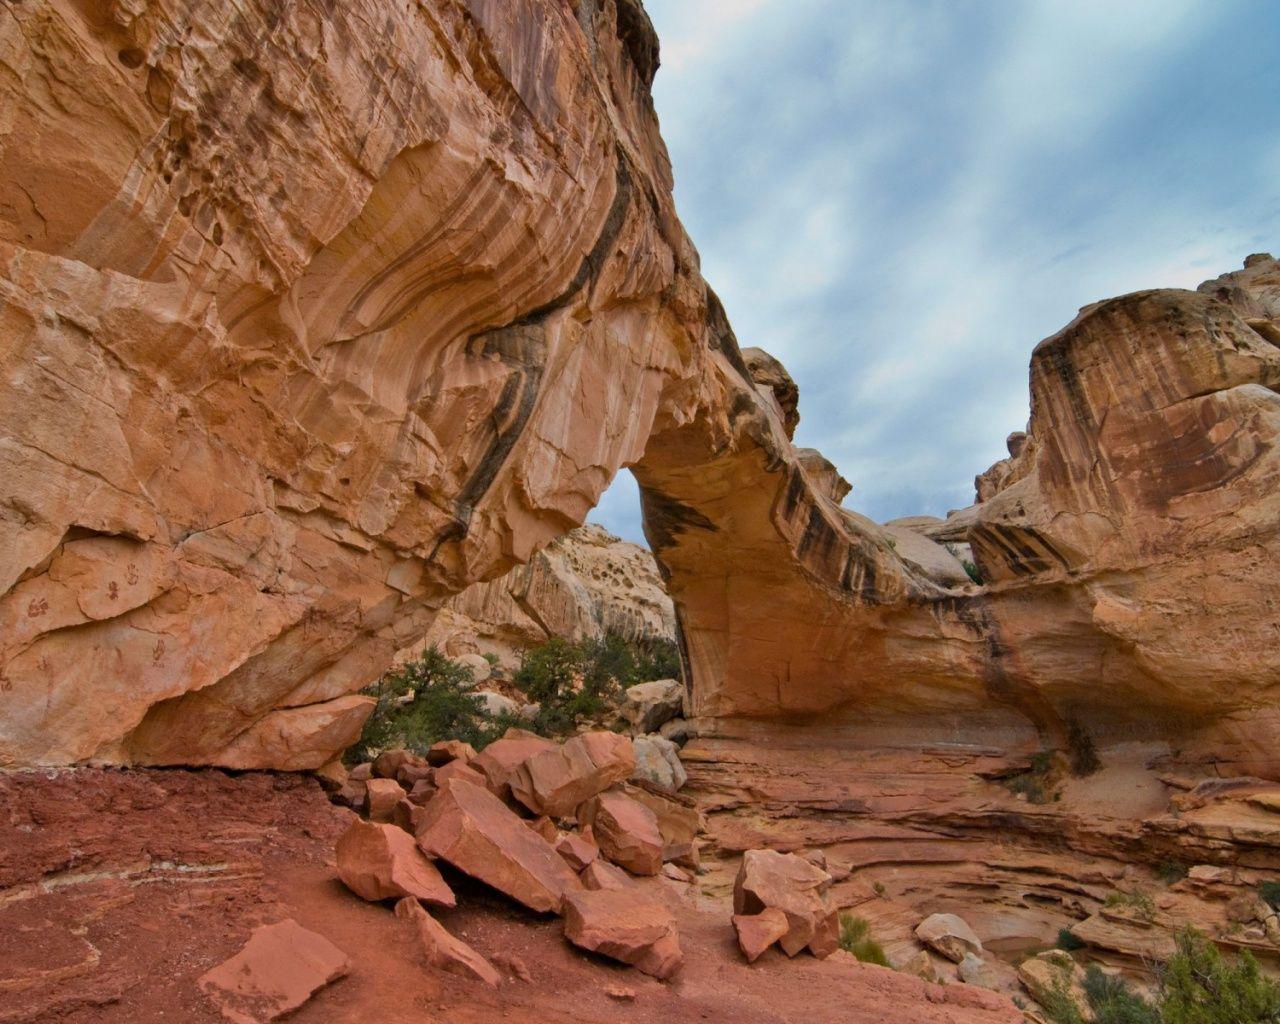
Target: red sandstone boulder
757,932
444,950
383,796
362,772
557,781
500,759
678,820
450,750
600,874
625,925
422,791
457,769
577,850
382,862
473,830
625,830
280,968
794,886
388,764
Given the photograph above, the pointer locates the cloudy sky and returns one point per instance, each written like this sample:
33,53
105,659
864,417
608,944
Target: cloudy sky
899,199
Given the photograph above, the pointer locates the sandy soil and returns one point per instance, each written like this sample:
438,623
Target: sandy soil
119,888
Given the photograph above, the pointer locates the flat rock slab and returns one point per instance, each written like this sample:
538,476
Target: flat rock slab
470,828
443,949
625,925
280,968
757,932
382,862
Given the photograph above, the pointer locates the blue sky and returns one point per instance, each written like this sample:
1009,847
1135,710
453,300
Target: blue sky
898,200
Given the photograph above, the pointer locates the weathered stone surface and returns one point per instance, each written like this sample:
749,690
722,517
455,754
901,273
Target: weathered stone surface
647,706
578,850
556,781
444,950
500,760
625,925
477,833
600,874
789,883
757,932
626,831
382,797
587,584
678,819
450,750
1053,971
949,935
382,862
280,968
457,770
657,760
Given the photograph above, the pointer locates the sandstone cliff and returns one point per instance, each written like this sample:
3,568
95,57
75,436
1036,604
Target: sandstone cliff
315,318
585,585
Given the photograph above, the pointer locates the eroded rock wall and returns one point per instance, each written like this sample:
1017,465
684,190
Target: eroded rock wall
312,316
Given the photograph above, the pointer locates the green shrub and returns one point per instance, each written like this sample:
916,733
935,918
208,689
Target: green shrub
1270,894
1114,1002
1171,871
972,571
855,938
572,681
1198,986
1069,940
1136,901
438,708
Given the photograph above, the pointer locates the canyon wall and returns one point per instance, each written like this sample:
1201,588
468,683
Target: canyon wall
315,316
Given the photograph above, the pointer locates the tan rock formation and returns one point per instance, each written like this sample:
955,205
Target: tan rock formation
584,585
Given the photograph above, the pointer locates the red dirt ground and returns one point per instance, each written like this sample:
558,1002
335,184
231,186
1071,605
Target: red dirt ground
119,888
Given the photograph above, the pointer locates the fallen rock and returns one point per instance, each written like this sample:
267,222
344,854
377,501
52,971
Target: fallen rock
600,874
922,965
678,820
382,862
657,760
495,705
280,968
500,759
332,777
676,730
387,765
649,705
444,751
478,665
791,884
949,935
514,966
383,795
557,781
757,932
577,850
624,925
974,970
621,993
1053,971
444,950
362,772
470,828
456,770
677,873
422,791
625,830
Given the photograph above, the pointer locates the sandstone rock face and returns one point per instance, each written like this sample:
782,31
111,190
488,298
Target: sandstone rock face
280,968
382,862
584,585
477,833
625,925
283,369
